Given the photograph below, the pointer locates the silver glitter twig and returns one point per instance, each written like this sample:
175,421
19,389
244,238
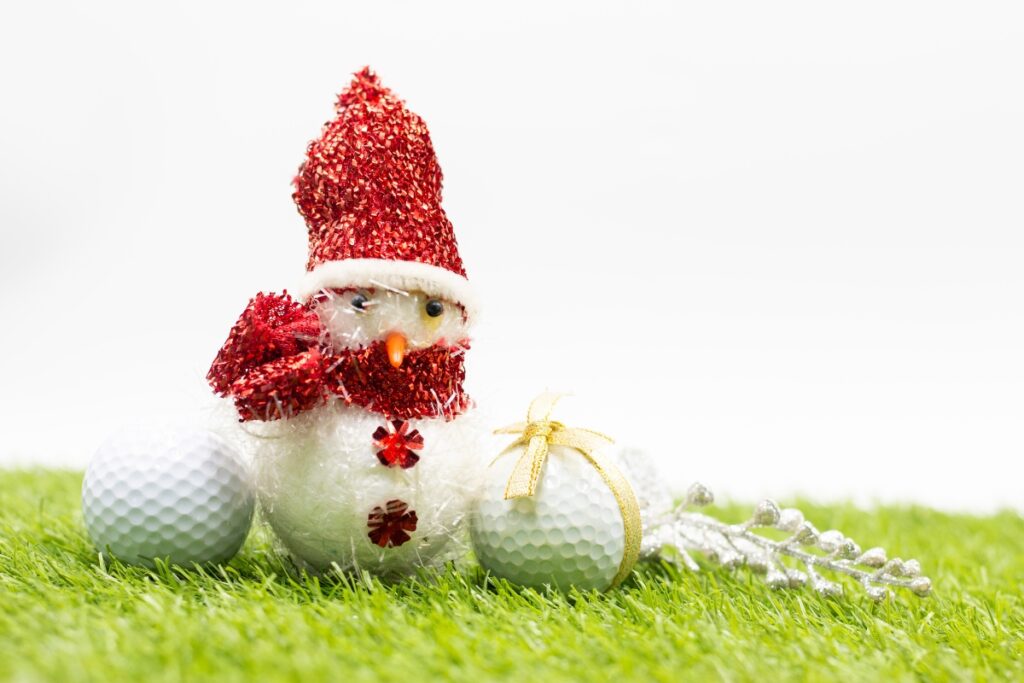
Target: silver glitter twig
675,535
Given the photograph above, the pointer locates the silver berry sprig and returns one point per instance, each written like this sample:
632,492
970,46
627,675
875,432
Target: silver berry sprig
676,534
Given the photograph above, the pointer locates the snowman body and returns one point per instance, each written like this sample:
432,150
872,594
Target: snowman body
331,500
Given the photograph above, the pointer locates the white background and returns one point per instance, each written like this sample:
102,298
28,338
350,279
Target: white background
779,245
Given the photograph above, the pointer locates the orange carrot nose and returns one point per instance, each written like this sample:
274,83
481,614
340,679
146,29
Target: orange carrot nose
395,344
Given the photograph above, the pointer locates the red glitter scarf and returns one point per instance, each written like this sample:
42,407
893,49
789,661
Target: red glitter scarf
427,385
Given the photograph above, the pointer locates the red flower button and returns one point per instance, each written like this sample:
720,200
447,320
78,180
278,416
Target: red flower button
397,443
389,525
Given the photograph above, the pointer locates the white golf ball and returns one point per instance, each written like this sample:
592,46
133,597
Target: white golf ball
570,533
183,496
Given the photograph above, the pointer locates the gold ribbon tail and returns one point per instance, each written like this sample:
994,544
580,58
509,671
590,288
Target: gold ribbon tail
522,483
630,510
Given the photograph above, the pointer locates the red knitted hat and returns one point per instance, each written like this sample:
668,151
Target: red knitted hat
370,192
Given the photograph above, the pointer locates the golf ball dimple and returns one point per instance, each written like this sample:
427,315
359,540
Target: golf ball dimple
183,496
570,533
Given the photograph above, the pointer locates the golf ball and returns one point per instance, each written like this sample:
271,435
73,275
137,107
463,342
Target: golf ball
183,496
569,533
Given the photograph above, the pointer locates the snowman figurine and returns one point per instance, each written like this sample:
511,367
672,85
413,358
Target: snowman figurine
350,395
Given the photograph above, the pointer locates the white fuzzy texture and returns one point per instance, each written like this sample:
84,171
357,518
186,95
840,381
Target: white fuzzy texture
406,276
318,479
386,311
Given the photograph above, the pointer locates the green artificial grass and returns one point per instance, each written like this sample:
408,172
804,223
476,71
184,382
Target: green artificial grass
64,616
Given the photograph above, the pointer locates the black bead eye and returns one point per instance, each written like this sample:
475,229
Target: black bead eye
434,308
359,302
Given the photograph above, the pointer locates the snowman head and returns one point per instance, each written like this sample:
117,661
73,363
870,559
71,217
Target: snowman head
384,268
404,321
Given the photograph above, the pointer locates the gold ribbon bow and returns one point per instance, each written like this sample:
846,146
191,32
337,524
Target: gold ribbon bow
538,434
